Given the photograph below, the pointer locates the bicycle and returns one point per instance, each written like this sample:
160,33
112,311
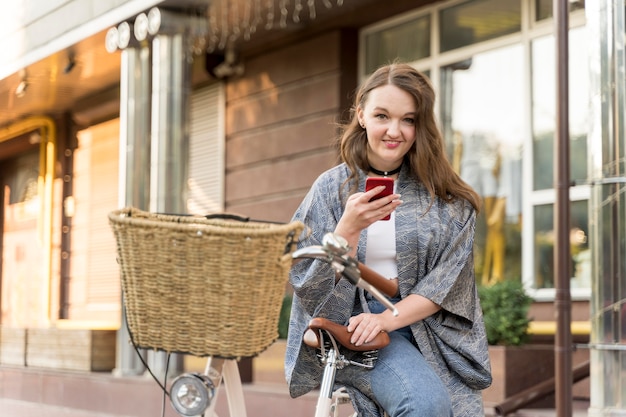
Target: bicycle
195,394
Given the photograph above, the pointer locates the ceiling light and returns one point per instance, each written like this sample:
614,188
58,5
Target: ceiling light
71,63
154,20
141,27
20,90
110,42
124,31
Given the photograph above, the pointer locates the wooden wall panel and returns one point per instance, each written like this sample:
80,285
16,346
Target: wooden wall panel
267,192
283,103
281,123
311,134
306,59
279,177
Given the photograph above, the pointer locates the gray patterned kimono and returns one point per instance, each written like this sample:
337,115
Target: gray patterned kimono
435,260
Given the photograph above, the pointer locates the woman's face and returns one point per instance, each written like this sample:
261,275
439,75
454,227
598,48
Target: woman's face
389,117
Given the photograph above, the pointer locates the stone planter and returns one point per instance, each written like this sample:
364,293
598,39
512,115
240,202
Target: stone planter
516,368
74,349
12,346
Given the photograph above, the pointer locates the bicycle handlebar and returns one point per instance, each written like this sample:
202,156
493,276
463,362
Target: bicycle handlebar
386,286
334,251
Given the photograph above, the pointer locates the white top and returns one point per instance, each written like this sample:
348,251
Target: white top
380,252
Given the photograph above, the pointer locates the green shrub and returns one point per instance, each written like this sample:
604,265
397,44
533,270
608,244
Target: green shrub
505,309
283,320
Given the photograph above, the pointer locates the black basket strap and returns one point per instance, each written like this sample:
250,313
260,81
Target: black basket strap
228,216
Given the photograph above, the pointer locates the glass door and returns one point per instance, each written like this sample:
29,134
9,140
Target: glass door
24,287
483,119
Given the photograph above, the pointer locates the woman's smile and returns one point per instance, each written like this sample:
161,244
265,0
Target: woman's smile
392,144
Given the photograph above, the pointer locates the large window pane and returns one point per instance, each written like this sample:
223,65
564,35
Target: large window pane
478,20
407,42
579,247
544,8
482,103
544,108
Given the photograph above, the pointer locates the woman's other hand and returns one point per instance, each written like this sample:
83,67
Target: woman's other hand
365,327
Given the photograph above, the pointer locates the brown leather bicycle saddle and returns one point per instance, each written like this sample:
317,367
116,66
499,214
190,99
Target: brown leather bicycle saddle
342,336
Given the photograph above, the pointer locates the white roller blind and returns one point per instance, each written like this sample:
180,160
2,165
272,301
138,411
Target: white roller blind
206,151
95,286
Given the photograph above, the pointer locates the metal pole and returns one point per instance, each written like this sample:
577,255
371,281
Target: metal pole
171,91
562,256
172,58
134,152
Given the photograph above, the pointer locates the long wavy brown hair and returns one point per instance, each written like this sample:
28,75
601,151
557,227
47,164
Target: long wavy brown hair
427,159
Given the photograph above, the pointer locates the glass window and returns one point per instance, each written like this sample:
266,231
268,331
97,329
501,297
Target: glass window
543,130
579,247
22,181
478,20
544,8
498,106
482,120
544,108
407,42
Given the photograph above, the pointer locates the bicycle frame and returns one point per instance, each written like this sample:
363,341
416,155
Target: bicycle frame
330,355
333,250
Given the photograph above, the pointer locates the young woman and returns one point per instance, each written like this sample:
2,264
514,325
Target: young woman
437,361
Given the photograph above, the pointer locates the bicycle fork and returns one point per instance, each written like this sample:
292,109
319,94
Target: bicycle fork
194,394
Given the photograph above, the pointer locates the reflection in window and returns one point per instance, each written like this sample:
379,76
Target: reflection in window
544,8
482,105
579,246
407,42
544,109
478,20
22,178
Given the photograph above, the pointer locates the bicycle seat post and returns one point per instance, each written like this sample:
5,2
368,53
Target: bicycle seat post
328,381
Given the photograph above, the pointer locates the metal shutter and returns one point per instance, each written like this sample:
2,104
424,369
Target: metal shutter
206,151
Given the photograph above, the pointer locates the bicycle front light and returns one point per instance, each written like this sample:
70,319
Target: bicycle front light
191,394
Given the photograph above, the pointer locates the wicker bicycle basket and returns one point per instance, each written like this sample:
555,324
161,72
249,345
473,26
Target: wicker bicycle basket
204,286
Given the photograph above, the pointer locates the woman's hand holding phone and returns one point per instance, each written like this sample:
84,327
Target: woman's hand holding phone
372,182
365,208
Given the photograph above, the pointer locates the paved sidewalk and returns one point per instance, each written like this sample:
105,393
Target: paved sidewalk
268,395
579,410
264,400
34,392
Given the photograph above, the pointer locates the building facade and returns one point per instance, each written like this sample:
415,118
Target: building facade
198,106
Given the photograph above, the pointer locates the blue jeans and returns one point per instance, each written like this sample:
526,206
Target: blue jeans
403,382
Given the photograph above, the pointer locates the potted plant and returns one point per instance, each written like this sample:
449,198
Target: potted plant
505,310
283,321
516,364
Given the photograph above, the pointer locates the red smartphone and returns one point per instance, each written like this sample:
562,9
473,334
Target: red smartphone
373,182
